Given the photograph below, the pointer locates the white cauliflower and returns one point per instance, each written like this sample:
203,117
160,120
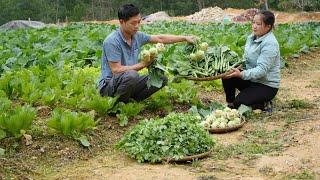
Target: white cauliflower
145,55
215,124
204,46
218,113
227,109
222,125
231,123
237,120
160,47
200,55
153,52
193,57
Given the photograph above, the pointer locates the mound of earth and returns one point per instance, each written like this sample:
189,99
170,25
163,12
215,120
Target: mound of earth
158,16
211,14
246,16
19,24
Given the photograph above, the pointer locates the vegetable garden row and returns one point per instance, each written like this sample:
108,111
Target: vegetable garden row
59,67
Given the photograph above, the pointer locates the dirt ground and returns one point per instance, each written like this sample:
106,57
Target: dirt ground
283,17
298,132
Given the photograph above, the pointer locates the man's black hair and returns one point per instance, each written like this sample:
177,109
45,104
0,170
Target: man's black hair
127,11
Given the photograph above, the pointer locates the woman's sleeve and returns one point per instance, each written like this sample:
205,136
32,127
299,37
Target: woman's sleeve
265,61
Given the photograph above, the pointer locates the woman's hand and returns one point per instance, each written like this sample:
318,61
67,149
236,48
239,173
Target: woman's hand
234,72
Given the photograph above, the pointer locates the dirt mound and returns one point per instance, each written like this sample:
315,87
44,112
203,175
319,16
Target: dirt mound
18,24
158,16
246,16
234,12
281,17
216,14
211,14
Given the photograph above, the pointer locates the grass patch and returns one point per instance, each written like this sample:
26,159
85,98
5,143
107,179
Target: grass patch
299,104
249,149
305,174
207,177
259,117
314,84
261,133
293,116
257,142
196,163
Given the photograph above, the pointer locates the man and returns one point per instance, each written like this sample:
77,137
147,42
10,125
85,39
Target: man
120,66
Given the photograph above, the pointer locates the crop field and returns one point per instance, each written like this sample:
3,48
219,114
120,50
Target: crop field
55,125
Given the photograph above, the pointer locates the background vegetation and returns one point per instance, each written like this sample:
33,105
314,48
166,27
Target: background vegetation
52,11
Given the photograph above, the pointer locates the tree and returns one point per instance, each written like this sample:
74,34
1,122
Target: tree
200,4
265,2
57,10
262,3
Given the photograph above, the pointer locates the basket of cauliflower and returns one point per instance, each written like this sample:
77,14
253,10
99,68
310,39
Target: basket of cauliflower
222,121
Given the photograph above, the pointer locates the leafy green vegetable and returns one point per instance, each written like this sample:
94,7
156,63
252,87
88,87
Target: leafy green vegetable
83,140
182,93
160,101
71,123
204,111
128,110
158,68
2,134
15,120
2,152
174,136
244,110
79,44
59,67
102,105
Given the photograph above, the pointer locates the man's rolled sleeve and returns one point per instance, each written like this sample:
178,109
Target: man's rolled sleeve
143,38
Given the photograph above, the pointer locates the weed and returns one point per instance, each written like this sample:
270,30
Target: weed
205,177
257,142
305,174
299,104
266,170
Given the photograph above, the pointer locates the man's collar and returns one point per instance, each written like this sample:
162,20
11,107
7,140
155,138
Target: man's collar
123,38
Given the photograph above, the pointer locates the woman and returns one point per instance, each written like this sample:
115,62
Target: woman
259,82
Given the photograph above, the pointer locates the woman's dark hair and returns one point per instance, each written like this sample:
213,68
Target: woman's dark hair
127,11
267,17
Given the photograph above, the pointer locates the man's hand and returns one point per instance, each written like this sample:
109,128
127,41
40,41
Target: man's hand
234,72
191,39
147,63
